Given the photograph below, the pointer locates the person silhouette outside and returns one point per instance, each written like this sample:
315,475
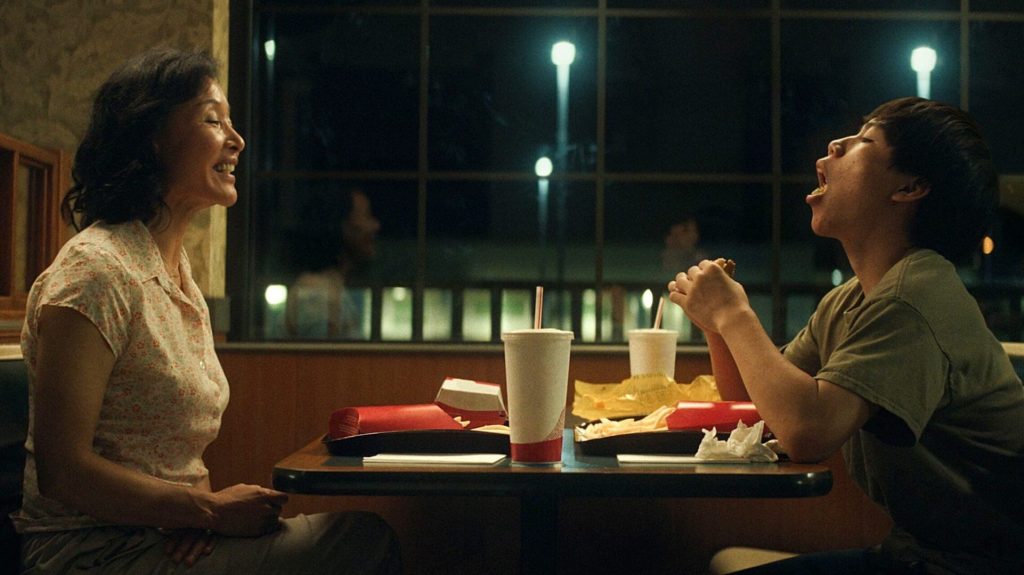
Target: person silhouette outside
681,241
321,304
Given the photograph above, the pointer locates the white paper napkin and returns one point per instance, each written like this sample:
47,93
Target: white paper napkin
743,443
434,459
743,446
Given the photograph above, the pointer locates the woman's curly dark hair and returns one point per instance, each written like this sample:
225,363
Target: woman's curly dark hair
117,176
943,146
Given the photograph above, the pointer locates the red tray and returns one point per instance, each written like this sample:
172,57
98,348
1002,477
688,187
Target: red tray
722,415
418,441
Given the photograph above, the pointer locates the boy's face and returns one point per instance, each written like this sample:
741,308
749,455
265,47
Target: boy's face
859,184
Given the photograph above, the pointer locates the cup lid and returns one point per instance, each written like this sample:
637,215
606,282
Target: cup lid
545,332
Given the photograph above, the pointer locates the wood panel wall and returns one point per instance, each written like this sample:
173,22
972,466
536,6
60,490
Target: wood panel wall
282,398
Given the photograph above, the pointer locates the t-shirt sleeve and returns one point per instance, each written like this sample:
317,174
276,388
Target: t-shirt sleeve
94,283
890,358
802,351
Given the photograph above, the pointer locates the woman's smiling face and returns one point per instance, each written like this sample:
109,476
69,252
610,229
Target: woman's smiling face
199,149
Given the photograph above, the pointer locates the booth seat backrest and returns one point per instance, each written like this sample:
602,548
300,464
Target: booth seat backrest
13,427
13,420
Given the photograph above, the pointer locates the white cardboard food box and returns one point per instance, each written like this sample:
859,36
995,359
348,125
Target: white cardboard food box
478,402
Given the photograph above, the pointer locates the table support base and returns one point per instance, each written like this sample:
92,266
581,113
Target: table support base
538,533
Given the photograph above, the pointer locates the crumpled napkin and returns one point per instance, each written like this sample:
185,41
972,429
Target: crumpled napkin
744,443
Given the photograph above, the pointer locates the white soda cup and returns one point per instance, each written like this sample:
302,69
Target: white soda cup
537,381
652,351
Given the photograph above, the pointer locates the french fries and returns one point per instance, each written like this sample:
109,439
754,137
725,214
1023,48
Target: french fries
657,420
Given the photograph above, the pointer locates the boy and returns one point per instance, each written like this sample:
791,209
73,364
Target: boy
896,366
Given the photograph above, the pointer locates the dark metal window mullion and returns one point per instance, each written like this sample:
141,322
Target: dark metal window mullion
240,268
599,184
421,180
965,55
778,303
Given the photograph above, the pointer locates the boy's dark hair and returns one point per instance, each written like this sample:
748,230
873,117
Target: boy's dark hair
943,146
117,175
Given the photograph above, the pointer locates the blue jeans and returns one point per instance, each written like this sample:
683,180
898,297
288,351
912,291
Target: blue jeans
845,562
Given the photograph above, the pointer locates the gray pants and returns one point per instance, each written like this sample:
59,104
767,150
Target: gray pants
347,543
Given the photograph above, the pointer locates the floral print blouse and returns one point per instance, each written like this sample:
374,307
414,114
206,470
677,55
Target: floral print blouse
166,392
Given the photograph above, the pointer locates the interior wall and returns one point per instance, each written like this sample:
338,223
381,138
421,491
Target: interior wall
54,55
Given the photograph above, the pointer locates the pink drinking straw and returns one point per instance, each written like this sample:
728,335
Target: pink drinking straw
538,311
661,308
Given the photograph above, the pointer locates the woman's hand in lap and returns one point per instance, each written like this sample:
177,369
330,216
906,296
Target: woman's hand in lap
245,510
188,545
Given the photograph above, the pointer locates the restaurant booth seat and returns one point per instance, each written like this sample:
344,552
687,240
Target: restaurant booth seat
13,428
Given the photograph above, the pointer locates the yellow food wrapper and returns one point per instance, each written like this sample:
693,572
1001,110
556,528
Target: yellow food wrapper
639,396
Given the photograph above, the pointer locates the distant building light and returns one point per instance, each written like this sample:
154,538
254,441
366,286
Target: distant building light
270,48
647,299
988,245
275,294
837,277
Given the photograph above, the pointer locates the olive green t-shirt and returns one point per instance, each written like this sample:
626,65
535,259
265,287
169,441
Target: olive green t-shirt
944,453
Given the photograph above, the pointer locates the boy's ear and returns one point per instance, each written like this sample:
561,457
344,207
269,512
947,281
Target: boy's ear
913,191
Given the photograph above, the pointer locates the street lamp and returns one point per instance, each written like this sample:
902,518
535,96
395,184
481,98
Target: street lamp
922,60
562,56
543,168
275,294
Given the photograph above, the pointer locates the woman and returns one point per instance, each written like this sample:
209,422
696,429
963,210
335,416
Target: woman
126,389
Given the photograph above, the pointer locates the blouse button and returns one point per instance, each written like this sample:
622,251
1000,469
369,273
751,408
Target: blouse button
202,364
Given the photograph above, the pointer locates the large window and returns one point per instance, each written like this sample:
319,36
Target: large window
416,167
